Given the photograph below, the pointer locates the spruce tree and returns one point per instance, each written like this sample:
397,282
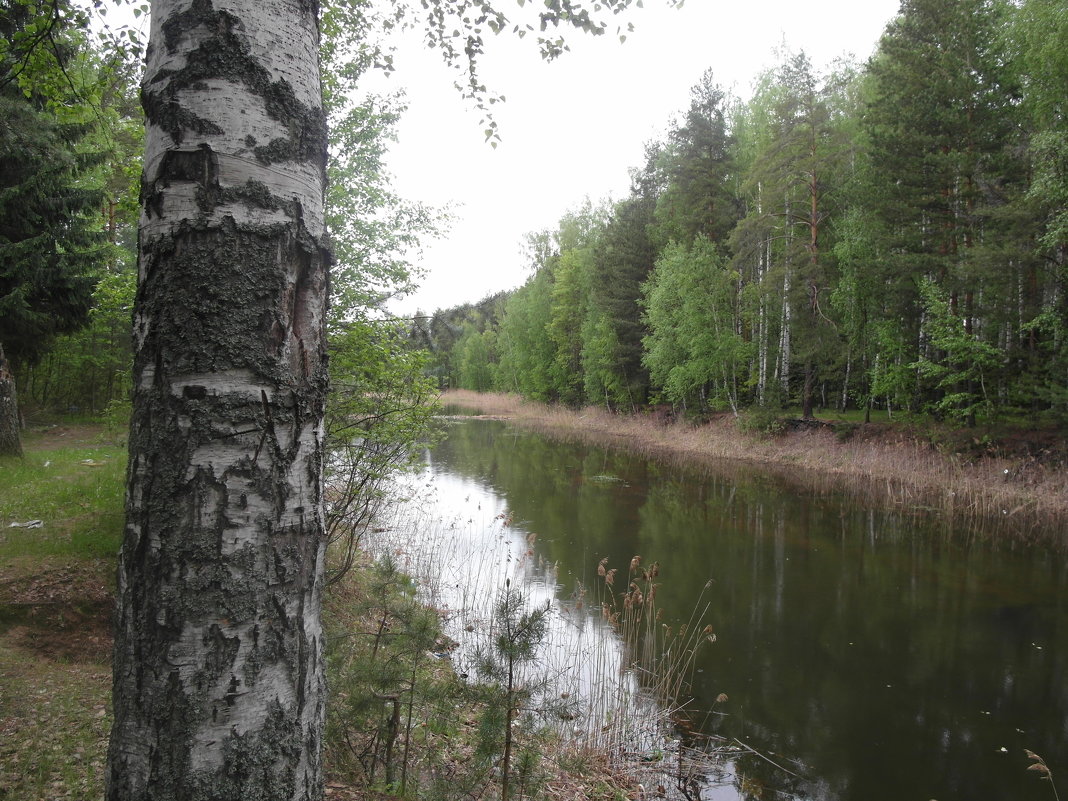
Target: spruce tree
51,245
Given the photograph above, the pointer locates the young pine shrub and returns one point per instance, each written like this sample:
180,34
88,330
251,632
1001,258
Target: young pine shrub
510,699
381,680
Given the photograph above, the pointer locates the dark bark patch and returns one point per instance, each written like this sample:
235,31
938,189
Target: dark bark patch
220,651
201,166
224,54
200,12
213,268
259,764
164,110
293,552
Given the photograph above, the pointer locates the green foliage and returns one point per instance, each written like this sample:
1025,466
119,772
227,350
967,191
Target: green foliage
507,720
374,231
698,163
623,258
603,381
966,360
380,409
763,420
89,370
568,309
51,245
846,210
892,375
381,403
693,351
1037,35
439,333
382,681
526,350
474,358
71,155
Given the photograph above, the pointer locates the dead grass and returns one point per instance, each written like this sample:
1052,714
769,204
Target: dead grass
892,466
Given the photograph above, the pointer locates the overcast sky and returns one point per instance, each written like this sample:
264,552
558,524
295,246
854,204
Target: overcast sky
573,128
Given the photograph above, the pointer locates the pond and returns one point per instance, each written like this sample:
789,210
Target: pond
863,654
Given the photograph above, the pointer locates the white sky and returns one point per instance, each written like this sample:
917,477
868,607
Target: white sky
573,128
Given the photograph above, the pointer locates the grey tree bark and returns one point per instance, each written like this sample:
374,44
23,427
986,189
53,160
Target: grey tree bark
218,664
10,441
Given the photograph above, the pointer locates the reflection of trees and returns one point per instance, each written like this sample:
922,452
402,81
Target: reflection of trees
551,489
818,606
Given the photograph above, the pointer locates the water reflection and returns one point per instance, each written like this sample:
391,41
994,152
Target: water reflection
865,652
457,537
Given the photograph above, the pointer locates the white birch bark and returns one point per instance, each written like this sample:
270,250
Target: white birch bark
218,686
763,265
784,336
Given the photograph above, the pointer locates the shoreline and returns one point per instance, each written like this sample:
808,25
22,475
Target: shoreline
1012,497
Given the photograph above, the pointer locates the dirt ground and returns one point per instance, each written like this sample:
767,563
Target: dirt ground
60,611
50,437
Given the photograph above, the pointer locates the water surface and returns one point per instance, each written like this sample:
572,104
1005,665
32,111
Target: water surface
870,653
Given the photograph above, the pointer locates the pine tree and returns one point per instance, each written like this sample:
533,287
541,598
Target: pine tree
698,166
937,122
622,260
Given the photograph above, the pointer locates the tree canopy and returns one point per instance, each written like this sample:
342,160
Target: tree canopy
888,234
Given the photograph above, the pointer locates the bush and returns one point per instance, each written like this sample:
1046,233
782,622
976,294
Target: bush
762,420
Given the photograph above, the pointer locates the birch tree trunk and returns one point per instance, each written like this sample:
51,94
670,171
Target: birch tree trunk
10,442
218,676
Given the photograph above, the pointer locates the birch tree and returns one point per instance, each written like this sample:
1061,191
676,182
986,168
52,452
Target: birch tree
218,688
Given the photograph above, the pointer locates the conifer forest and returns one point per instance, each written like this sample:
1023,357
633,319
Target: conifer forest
202,371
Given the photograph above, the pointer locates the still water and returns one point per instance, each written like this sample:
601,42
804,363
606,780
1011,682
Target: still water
874,656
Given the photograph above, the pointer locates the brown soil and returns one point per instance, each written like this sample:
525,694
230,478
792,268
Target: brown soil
61,612
50,437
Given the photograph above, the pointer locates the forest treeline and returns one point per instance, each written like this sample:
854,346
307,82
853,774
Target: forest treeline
889,235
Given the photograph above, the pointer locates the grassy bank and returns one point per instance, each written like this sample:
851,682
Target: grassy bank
1007,482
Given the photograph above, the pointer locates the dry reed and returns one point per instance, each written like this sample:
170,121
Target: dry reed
991,494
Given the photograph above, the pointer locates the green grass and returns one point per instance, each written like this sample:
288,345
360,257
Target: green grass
54,678
77,494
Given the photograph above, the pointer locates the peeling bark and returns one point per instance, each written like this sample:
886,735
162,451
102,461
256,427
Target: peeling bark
218,682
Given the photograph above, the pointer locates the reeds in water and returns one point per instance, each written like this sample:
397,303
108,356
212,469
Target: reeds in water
613,676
